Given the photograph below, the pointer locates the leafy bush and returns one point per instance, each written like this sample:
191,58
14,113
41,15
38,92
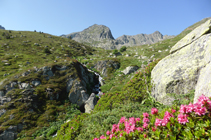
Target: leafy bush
46,50
115,51
188,122
123,48
71,129
97,123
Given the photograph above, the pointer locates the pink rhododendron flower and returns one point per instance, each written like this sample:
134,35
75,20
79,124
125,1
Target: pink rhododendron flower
199,110
158,122
139,129
137,119
203,99
145,120
190,108
173,111
114,128
108,132
145,135
153,128
95,139
168,115
183,109
122,120
154,111
132,120
164,121
145,114
120,135
182,118
102,137
145,125
111,136
132,128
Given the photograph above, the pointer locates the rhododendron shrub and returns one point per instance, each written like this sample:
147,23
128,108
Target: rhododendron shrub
188,122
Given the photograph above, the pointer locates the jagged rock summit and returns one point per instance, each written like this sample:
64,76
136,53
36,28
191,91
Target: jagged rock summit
186,68
1,27
101,36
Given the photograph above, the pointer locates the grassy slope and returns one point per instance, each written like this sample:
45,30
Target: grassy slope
18,48
22,46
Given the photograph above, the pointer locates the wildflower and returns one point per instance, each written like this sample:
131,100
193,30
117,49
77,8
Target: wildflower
102,137
145,120
158,122
145,125
139,129
137,119
108,132
173,111
154,111
153,128
111,136
122,120
183,118
199,110
145,114
183,109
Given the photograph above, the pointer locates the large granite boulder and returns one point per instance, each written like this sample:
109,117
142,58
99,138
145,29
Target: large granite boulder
186,68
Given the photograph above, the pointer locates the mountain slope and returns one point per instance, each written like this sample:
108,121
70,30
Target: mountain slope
101,36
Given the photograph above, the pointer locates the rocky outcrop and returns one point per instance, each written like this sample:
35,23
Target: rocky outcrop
90,103
21,89
106,66
186,68
101,36
2,27
130,69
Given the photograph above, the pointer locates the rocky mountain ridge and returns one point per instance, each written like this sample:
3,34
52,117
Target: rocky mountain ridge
101,36
1,27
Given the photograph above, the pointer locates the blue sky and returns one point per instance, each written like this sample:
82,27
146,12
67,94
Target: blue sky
129,17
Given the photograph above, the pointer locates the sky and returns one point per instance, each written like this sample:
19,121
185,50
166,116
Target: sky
123,17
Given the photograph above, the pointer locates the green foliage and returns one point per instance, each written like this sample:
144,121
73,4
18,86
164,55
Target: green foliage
115,51
123,48
46,50
136,90
69,37
71,129
99,122
182,99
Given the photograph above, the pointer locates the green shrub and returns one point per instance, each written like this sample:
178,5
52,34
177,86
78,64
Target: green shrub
46,50
115,51
99,122
136,90
70,130
123,48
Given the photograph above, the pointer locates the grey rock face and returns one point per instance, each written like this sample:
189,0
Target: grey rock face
1,27
130,69
101,36
90,103
78,95
104,65
186,68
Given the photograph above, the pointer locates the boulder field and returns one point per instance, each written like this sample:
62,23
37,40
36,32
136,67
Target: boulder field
187,67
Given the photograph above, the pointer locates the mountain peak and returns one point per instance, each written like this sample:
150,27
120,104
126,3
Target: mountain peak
1,27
